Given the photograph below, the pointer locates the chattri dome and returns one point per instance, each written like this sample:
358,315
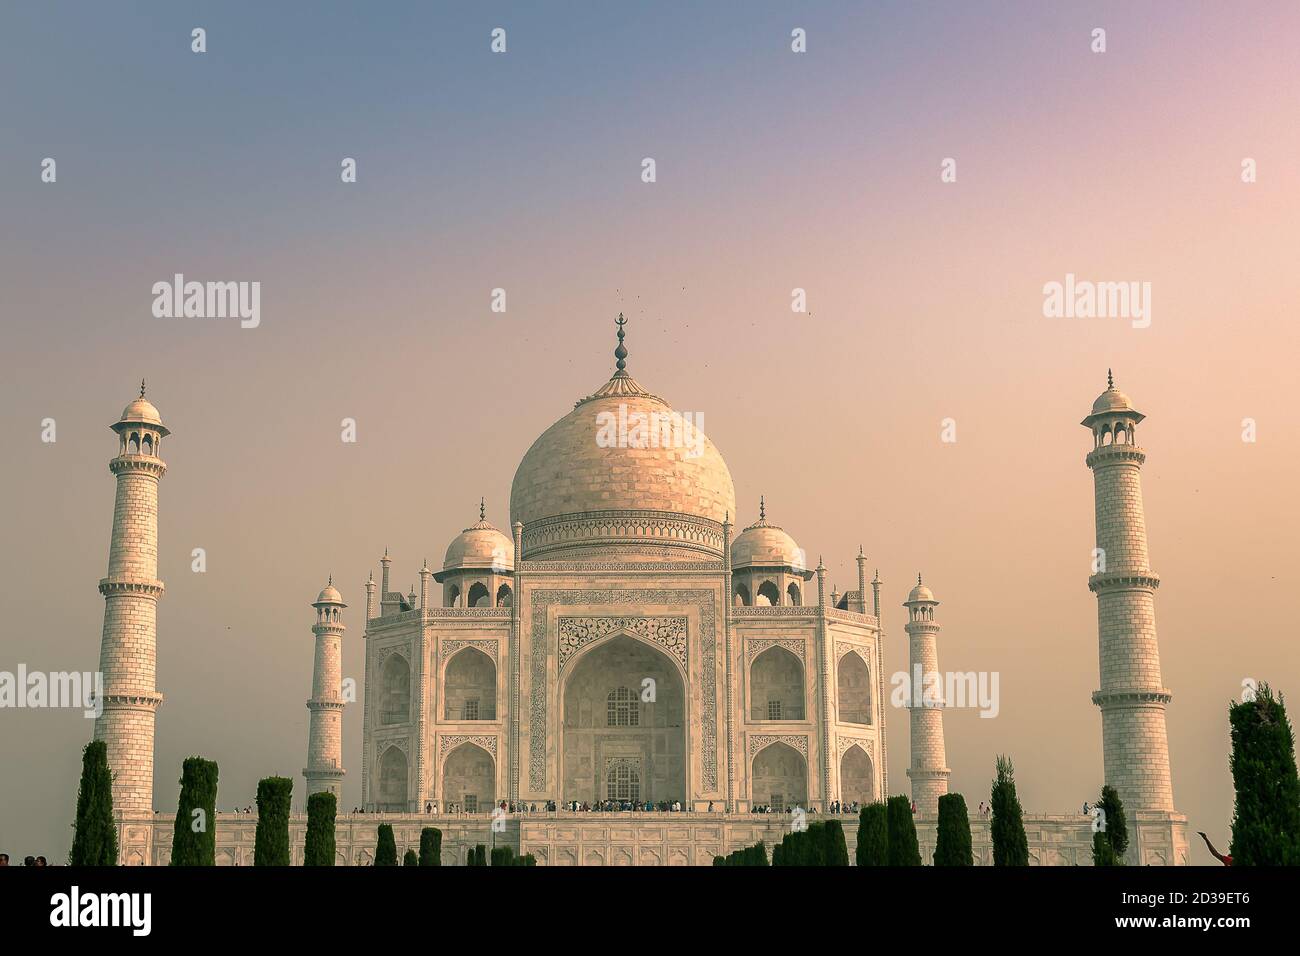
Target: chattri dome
481,545
623,472
329,594
766,545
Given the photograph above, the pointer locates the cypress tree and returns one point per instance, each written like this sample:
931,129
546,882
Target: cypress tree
318,849
873,836
194,834
1266,815
271,839
386,847
719,861
430,847
94,842
778,853
953,844
1113,830
836,849
526,860
1010,847
1103,853
410,859
903,847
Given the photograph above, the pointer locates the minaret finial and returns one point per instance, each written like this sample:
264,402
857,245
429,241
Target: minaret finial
762,508
1110,379
482,509
918,577
620,353
331,583
142,388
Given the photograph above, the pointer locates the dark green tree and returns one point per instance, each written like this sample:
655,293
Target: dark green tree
952,846
194,834
386,847
94,841
409,858
318,849
777,854
271,839
1103,853
430,847
719,861
873,836
1266,816
903,847
1112,828
1010,847
756,855
835,850
477,856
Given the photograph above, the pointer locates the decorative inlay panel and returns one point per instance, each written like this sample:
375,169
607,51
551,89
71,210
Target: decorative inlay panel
796,646
540,648
668,632
449,742
448,649
846,742
758,741
841,650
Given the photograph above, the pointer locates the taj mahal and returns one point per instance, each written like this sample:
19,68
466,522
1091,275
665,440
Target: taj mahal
625,639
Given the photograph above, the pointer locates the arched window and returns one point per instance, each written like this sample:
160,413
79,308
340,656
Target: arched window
776,686
453,596
478,595
623,779
622,708
148,445
505,597
854,686
133,446
768,594
395,696
742,595
470,686
779,778
857,779
793,592
392,780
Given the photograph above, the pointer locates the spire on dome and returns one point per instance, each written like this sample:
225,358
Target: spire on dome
142,388
620,353
762,508
482,509
1110,379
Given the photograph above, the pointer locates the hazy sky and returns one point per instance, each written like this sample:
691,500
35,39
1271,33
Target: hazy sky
775,171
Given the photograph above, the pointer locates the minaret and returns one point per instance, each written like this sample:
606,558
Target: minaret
929,771
325,738
1132,697
128,652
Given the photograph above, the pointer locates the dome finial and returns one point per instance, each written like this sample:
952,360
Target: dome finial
620,353
482,509
762,508
142,388
918,577
331,580
1110,379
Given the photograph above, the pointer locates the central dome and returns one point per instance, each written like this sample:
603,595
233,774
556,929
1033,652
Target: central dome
623,474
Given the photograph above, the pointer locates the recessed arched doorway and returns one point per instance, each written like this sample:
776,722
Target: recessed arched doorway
857,778
623,727
779,778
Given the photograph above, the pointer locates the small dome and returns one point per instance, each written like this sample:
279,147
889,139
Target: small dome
920,593
1111,400
763,544
141,410
481,545
329,595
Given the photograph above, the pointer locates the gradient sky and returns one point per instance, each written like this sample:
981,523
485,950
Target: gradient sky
775,171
